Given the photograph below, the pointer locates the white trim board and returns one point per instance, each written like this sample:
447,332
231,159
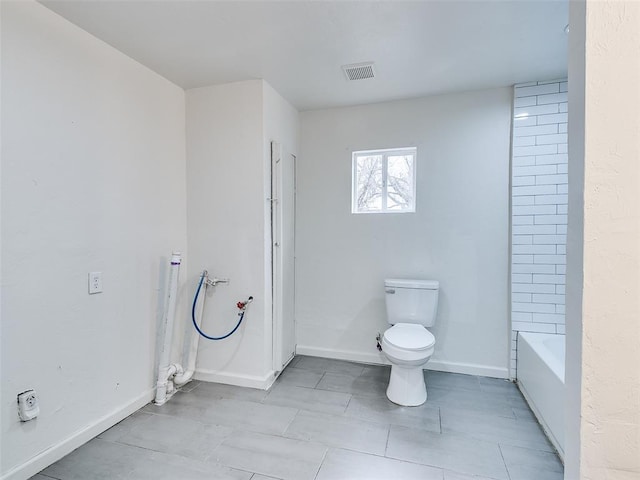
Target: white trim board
379,359
79,438
237,379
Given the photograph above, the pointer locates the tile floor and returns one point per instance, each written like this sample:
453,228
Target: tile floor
324,420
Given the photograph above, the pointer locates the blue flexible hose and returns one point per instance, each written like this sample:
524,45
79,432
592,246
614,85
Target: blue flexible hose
195,324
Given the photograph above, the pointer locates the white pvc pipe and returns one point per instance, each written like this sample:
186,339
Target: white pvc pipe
164,387
183,377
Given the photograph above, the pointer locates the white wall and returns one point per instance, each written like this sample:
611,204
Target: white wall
539,209
229,128
603,270
93,179
459,234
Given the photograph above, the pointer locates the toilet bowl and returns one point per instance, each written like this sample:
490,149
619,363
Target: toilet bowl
408,345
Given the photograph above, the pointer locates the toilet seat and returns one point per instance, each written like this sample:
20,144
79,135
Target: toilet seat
409,336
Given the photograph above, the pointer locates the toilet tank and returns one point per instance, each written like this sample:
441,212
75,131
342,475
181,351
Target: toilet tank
411,301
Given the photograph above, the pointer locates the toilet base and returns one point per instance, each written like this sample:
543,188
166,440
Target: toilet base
406,386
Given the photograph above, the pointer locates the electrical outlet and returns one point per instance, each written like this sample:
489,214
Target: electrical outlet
28,407
95,282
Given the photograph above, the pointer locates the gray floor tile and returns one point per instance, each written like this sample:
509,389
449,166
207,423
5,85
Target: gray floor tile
178,436
219,390
299,377
322,365
508,431
339,431
345,464
449,475
40,477
380,372
308,399
451,380
270,455
239,414
99,460
381,410
476,401
169,467
189,386
528,464
362,385
501,386
448,451
257,476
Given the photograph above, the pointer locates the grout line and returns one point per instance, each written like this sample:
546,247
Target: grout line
326,451
386,445
503,460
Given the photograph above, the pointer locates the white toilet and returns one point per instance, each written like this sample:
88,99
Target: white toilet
411,307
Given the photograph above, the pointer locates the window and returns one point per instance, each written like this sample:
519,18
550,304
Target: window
384,181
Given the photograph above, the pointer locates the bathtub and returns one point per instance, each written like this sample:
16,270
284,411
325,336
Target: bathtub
541,381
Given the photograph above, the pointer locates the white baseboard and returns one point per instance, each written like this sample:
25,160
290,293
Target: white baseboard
376,358
240,380
68,445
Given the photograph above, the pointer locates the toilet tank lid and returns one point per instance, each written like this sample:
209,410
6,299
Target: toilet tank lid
407,283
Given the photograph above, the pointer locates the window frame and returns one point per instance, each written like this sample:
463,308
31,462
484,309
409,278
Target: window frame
385,153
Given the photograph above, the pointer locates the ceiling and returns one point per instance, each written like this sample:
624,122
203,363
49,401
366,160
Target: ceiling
419,48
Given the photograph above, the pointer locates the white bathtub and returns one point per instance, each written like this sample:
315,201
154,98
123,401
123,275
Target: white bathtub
541,381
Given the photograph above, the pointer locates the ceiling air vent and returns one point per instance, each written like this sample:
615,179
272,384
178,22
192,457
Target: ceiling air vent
359,71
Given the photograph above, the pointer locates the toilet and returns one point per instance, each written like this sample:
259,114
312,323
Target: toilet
408,345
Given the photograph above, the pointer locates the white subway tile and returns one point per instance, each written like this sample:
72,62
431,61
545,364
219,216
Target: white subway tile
533,307
563,209
534,249
534,287
539,278
525,84
549,239
548,139
564,86
552,159
563,169
535,269
533,209
563,107
535,170
526,200
524,101
562,128
521,259
521,297
538,110
557,80
548,298
537,90
550,219
521,278
552,179
560,308
561,229
560,289
522,181
524,161
533,229
537,130
560,329
562,148
552,199
525,121
562,270
548,318
534,327
522,220
535,150
521,316
552,98
551,259
561,249
535,190
524,141
552,118
522,239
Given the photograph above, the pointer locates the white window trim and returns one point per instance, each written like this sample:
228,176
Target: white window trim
385,154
